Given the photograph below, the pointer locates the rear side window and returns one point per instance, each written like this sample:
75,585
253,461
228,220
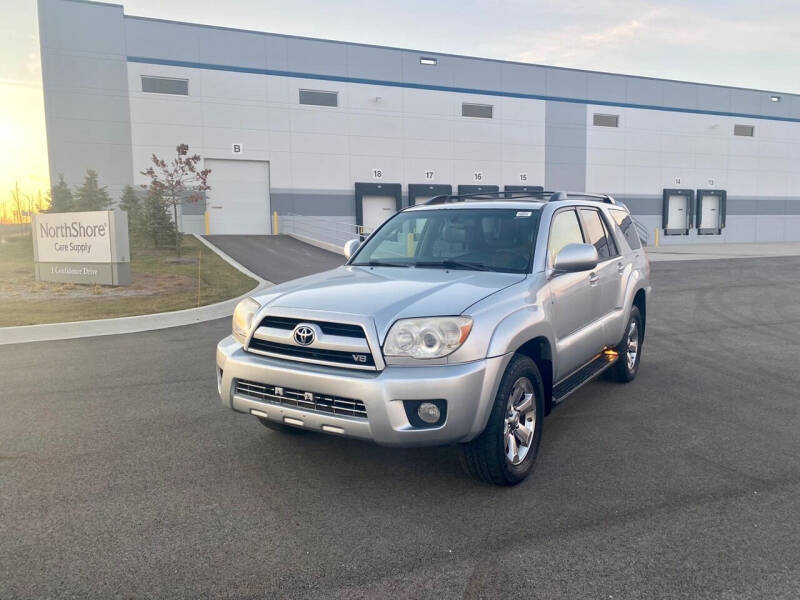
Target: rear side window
596,234
625,223
564,230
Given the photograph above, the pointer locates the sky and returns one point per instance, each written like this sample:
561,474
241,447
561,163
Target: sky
745,43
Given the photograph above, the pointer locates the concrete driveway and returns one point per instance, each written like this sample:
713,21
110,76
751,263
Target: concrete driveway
276,258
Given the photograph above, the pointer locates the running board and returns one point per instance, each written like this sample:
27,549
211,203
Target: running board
584,375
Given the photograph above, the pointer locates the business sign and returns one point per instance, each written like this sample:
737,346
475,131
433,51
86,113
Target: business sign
82,247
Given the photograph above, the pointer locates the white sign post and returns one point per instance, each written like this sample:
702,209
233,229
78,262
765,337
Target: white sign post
82,247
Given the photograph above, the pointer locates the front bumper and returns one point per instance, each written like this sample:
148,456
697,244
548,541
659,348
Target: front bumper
468,388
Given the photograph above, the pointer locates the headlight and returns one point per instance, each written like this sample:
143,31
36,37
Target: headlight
243,318
431,337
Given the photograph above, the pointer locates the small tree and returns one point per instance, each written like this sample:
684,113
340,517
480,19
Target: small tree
90,196
132,204
177,180
18,203
61,199
156,222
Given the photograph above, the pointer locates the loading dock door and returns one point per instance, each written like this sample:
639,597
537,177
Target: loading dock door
376,210
711,211
238,201
530,189
476,189
677,211
420,193
376,202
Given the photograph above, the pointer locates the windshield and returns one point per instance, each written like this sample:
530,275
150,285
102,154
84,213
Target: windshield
481,239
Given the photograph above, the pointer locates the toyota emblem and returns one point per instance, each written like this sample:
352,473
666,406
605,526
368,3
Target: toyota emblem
304,335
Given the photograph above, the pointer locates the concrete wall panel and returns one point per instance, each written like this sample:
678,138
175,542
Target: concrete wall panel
98,117
316,57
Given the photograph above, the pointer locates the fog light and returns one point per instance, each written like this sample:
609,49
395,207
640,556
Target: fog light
429,412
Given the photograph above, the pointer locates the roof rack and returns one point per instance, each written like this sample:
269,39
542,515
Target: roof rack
568,195
543,196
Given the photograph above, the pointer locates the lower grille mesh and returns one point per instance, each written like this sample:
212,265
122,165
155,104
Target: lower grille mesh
325,403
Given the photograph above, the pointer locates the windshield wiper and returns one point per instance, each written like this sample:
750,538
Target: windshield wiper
377,263
454,264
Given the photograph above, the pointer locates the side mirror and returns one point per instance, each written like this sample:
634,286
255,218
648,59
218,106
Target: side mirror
350,248
574,258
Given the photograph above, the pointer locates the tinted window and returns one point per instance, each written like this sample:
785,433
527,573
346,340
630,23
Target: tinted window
613,248
625,223
481,239
596,233
564,230
402,240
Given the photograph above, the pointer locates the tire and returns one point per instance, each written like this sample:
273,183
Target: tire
281,428
625,369
486,457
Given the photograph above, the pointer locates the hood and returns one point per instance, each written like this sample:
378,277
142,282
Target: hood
388,293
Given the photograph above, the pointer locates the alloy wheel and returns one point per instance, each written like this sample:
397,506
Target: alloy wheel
632,349
520,423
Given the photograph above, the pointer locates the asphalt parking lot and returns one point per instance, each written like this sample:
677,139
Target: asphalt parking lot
122,476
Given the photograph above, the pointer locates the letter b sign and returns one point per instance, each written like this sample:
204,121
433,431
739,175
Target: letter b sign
236,148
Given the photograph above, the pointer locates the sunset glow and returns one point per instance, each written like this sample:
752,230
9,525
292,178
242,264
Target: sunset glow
23,140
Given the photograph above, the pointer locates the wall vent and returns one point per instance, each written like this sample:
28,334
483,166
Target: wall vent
744,130
319,98
165,85
482,111
601,120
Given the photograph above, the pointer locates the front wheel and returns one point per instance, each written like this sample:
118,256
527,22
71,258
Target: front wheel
505,452
629,349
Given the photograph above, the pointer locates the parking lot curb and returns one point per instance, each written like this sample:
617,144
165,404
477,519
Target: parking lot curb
723,251
134,324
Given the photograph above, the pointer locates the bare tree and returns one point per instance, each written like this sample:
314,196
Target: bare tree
19,202
178,180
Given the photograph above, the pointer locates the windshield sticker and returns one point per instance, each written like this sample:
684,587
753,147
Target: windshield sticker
524,213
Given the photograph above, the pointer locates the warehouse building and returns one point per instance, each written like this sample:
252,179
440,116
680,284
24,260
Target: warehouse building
331,134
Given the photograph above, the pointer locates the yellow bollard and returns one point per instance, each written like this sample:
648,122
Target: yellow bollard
275,223
656,237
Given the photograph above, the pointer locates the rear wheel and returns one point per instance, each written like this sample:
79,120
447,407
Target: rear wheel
505,452
629,349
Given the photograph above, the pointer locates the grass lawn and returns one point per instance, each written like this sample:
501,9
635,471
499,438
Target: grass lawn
161,282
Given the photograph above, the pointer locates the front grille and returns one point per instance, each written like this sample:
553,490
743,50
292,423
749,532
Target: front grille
353,359
324,403
328,328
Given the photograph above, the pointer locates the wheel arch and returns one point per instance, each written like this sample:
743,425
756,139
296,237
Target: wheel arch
540,351
640,302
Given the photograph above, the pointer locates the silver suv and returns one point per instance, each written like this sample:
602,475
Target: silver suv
465,320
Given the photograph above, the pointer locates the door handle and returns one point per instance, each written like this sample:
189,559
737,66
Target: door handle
620,268
593,279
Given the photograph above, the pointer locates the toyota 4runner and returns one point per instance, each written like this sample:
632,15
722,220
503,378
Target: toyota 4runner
464,320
